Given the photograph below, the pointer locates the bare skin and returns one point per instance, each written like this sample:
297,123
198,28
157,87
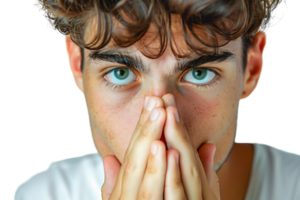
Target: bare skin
234,175
208,113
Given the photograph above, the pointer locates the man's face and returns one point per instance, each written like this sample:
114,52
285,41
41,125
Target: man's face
206,93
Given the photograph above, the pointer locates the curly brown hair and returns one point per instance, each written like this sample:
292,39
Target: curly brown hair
226,19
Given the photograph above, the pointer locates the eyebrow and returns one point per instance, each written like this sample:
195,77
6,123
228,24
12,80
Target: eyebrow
136,63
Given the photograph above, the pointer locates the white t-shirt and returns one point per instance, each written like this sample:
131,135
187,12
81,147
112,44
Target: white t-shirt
275,176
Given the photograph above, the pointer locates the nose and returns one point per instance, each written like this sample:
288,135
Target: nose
159,89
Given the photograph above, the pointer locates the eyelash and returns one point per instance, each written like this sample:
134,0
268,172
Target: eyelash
204,87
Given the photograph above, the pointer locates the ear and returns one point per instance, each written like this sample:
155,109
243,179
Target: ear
254,63
75,61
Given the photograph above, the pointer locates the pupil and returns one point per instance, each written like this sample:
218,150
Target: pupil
121,74
199,74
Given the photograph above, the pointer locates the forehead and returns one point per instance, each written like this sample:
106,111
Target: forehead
151,42
168,63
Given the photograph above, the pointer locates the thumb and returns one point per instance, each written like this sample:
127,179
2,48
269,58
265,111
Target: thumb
206,153
111,170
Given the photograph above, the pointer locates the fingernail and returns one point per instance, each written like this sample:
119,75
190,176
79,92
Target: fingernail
153,149
171,101
214,152
145,101
177,158
154,115
150,104
176,115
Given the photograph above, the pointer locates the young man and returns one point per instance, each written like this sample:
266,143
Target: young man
162,81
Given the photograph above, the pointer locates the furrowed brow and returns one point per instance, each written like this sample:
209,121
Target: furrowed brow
135,62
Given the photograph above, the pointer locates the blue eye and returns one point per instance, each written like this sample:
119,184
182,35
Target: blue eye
199,76
121,76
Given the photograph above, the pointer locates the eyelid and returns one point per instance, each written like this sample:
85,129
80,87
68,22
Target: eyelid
110,69
202,86
115,86
207,86
215,70
207,68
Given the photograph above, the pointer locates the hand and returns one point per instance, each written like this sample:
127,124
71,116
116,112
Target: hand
193,178
142,174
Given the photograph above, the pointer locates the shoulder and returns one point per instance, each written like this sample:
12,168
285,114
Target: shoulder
60,178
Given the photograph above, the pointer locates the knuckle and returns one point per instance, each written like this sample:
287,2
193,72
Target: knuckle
145,133
151,169
139,124
146,130
103,188
130,167
194,172
177,183
174,184
145,195
159,101
183,136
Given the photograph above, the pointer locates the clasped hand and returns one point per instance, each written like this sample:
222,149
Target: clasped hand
153,171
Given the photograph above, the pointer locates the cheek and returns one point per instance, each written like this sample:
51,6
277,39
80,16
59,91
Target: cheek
116,123
208,117
214,112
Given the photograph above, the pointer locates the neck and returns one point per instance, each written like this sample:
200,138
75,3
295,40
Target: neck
235,173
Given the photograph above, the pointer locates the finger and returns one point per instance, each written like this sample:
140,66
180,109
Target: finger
111,171
103,193
141,129
136,161
173,185
169,100
152,187
206,153
177,138
150,102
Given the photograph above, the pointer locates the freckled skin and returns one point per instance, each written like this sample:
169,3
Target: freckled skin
209,115
207,119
